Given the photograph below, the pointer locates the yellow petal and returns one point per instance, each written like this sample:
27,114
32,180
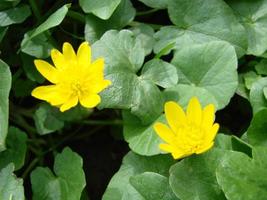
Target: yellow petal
211,133
90,101
204,148
49,93
166,147
44,92
164,132
58,59
71,102
208,116
84,54
174,115
97,86
47,70
68,51
97,68
194,111
176,154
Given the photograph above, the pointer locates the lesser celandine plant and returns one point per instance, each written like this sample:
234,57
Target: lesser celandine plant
116,100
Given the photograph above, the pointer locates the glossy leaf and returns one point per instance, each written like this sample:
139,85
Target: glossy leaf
256,96
14,15
66,184
124,56
28,42
96,27
194,177
16,149
242,177
121,184
198,22
102,8
211,66
257,131
11,187
253,15
5,85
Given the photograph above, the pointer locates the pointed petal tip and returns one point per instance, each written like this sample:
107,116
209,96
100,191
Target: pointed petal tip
170,104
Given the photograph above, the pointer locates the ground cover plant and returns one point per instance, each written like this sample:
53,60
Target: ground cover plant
133,99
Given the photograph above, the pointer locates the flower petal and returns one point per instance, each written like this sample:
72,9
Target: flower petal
71,102
164,132
194,111
84,54
50,93
90,101
68,51
97,68
208,116
47,70
211,133
176,154
97,86
204,148
58,59
174,115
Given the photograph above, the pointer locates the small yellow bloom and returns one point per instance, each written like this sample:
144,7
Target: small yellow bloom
187,133
74,78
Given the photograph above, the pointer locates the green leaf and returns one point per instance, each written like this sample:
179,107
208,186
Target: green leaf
45,121
198,22
253,15
257,131
39,46
249,78
212,66
256,96
14,15
142,138
120,185
16,149
261,67
27,44
4,4
152,186
160,4
101,8
67,183
242,177
194,177
242,89
3,31
96,27
124,56
11,188
145,34
160,72
22,87
5,85
30,70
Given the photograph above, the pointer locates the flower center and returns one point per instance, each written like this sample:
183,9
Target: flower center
190,137
77,88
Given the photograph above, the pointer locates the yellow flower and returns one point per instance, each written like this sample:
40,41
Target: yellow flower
187,133
74,78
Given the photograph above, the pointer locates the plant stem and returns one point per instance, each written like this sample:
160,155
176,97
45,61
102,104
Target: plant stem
35,9
165,50
154,26
77,16
147,12
116,122
30,167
